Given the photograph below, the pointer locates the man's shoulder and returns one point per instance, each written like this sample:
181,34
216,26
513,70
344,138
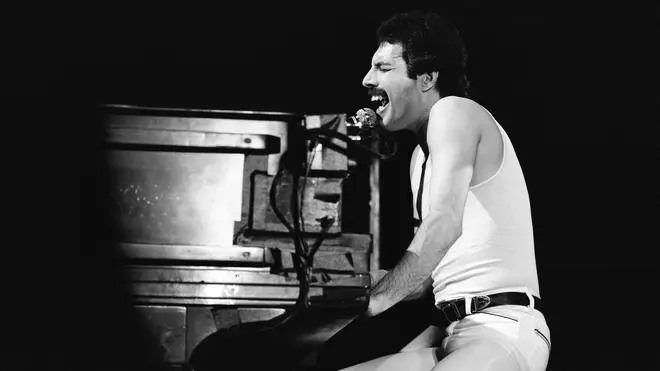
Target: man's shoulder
454,105
457,114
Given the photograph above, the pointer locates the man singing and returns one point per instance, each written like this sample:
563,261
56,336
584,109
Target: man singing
474,241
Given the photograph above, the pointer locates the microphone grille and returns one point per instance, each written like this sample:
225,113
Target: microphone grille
367,117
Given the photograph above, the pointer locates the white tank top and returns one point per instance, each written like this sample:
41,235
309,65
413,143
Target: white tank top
495,253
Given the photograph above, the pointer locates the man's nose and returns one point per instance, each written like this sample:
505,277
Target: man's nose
368,80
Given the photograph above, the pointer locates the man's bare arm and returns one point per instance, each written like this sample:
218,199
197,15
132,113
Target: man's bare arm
421,290
413,269
452,137
418,293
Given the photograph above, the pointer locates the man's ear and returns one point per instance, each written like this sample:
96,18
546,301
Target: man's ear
428,80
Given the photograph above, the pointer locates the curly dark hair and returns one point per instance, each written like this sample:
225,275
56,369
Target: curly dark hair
429,43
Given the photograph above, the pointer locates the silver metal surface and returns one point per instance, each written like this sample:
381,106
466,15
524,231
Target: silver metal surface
248,302
248,315
212,301
213,291
199,324
196,124
228,141
229,122
176,198
164,194
232,286
168,325
229,253
245,276
207,111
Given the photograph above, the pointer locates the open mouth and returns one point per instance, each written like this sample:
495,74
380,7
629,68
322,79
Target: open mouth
380,100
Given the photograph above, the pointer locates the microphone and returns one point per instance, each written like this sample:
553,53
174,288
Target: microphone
368,117
367,125
364,119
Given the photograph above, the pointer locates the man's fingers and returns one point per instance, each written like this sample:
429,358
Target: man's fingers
377,275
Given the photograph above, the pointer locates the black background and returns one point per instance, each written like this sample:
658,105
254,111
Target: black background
574,89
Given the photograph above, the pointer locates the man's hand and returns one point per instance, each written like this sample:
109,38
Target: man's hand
377,275
375,305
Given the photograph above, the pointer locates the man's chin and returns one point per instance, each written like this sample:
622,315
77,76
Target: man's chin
391,128
389,124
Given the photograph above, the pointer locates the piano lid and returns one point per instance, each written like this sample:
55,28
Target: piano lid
202,113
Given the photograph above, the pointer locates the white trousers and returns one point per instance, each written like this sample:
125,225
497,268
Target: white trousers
506,337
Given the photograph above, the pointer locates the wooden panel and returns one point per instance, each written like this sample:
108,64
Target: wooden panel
356,262
343,253
321,199
346,242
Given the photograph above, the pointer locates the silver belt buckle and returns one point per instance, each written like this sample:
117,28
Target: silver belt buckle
479,302
453,306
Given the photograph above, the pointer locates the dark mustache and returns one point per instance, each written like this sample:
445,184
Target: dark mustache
374,91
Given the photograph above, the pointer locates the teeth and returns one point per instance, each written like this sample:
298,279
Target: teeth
376,97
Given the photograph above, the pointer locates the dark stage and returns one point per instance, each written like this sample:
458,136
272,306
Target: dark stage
547,74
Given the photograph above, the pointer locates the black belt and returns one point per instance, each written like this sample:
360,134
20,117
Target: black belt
454,310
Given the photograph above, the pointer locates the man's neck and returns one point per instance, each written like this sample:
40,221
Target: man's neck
420,134
421,127
426,101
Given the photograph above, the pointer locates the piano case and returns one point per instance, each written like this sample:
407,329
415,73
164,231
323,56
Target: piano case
194,269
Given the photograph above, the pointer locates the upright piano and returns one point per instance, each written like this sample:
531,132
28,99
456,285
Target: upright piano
205,255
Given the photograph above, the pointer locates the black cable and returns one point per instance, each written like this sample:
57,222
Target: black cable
344,151
326,224
273,198
308,166
299,257
298,243
352,143
304,255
